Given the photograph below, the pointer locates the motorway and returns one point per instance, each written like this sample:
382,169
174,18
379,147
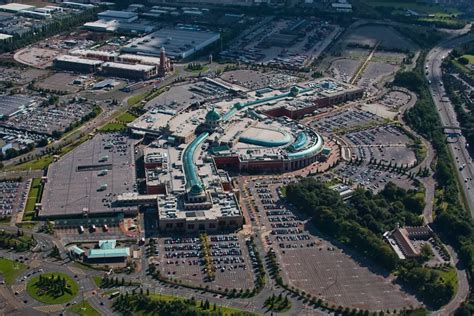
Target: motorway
448,117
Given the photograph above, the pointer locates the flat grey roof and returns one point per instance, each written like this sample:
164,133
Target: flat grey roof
10,104
75,181
175,41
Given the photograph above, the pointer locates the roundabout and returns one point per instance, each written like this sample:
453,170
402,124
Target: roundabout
52,288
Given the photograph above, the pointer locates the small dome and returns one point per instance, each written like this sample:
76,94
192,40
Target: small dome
294,91
213,115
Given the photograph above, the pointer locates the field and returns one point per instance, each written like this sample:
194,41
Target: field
112,128
416,6
83,308
10,270
470,58
32,198
386,36
48,298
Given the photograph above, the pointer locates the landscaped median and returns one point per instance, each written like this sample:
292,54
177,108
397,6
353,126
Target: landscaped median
52,288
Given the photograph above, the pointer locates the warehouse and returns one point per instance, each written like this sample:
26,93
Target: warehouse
12,104
5,37
121,16
74,63
15,7
137,71
179,43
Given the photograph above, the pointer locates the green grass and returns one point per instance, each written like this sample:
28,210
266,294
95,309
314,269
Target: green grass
32,198
97,280
470,58
112,127
203,69
32,289
10,270
419,7
26,225
134,99
83,308
448,274
126,117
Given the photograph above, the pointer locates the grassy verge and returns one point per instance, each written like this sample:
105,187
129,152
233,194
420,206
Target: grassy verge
83,308
159,304
10,270
33,195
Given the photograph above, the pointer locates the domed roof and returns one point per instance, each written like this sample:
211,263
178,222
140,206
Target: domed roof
213,115
294,91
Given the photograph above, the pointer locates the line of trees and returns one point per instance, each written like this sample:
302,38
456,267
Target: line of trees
452,220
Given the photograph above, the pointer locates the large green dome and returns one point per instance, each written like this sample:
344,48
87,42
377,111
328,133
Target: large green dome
213,115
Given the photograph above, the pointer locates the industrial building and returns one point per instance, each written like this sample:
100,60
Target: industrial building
10,105
178,42
5,37
78,64
131,71
15,7
120,16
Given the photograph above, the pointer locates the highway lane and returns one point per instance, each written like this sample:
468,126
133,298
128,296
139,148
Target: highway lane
447,114
458,149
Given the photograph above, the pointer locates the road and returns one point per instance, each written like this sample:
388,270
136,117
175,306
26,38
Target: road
447,114
458,149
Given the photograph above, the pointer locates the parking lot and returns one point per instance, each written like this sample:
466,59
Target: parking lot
47,119
60,81
13,196
21,76
371,178
283,43
183,258
387,144
345,120
385,35
317,266
254,80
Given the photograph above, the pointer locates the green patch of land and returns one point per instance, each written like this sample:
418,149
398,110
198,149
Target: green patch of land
134,99
112,127
33,196
83,308
420,8
158,304
126,117
470,58
10,270
52,288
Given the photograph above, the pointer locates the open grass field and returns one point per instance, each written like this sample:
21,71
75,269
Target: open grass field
32,198
35,291
126,117
436,10
112,127
84,309
10,270
448,275
470,58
